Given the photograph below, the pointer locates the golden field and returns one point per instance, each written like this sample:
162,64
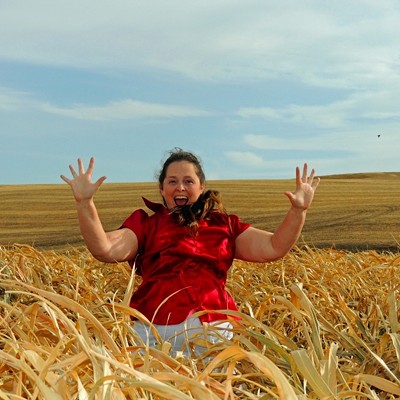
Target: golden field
322,323
355,212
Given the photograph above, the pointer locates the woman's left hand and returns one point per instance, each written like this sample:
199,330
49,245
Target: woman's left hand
306,186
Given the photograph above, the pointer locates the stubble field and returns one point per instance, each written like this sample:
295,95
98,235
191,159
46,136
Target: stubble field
353,212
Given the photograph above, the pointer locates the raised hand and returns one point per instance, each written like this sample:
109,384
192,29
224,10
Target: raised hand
81,183
306,186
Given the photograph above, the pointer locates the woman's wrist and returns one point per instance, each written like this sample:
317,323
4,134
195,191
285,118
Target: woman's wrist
84,203
298,210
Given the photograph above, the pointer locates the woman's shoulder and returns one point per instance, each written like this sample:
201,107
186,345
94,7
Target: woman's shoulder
137,217
232,220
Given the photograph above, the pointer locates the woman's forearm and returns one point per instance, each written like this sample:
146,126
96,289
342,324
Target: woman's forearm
286,235
92,229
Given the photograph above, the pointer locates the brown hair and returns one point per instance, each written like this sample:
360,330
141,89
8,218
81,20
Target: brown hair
189,215
178,154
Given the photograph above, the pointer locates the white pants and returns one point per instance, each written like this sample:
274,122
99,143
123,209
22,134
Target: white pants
181,335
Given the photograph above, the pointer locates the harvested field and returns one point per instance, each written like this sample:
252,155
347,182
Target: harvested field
353,212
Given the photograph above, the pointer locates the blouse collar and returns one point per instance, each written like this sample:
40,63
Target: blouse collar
153,206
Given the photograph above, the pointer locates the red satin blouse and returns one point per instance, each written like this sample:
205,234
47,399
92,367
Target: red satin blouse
183,272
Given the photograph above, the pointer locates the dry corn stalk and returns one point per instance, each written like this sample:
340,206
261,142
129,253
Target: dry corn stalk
319,324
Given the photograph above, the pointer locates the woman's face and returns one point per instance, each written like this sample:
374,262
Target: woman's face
181,185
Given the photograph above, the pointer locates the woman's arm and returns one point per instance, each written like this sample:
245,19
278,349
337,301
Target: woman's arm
114,246
256,245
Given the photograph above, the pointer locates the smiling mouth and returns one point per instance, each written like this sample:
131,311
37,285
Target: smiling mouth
181,201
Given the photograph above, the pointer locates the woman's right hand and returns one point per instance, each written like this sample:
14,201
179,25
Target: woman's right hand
81,184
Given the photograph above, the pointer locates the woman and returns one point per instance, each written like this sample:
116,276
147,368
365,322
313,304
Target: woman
184,248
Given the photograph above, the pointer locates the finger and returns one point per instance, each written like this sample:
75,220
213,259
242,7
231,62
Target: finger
91,166
311,177
316,183
80,166
65,179
289,195
73,172
100,181
298,178
305,171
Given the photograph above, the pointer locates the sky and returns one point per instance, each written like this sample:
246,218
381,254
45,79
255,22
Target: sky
253,87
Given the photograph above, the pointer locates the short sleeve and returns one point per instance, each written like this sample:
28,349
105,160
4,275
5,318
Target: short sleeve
136,223
237,226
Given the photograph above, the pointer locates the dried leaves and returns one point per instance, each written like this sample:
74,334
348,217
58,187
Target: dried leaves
318,324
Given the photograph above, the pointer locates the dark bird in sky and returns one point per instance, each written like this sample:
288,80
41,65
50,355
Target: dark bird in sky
379,135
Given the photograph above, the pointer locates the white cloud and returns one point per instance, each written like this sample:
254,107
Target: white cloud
338,45
330,116
339,152
378,106
345,151
268,142
358,141
11,100
246,158
124,109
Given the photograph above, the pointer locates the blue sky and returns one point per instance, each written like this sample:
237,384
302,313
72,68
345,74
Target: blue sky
253,87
